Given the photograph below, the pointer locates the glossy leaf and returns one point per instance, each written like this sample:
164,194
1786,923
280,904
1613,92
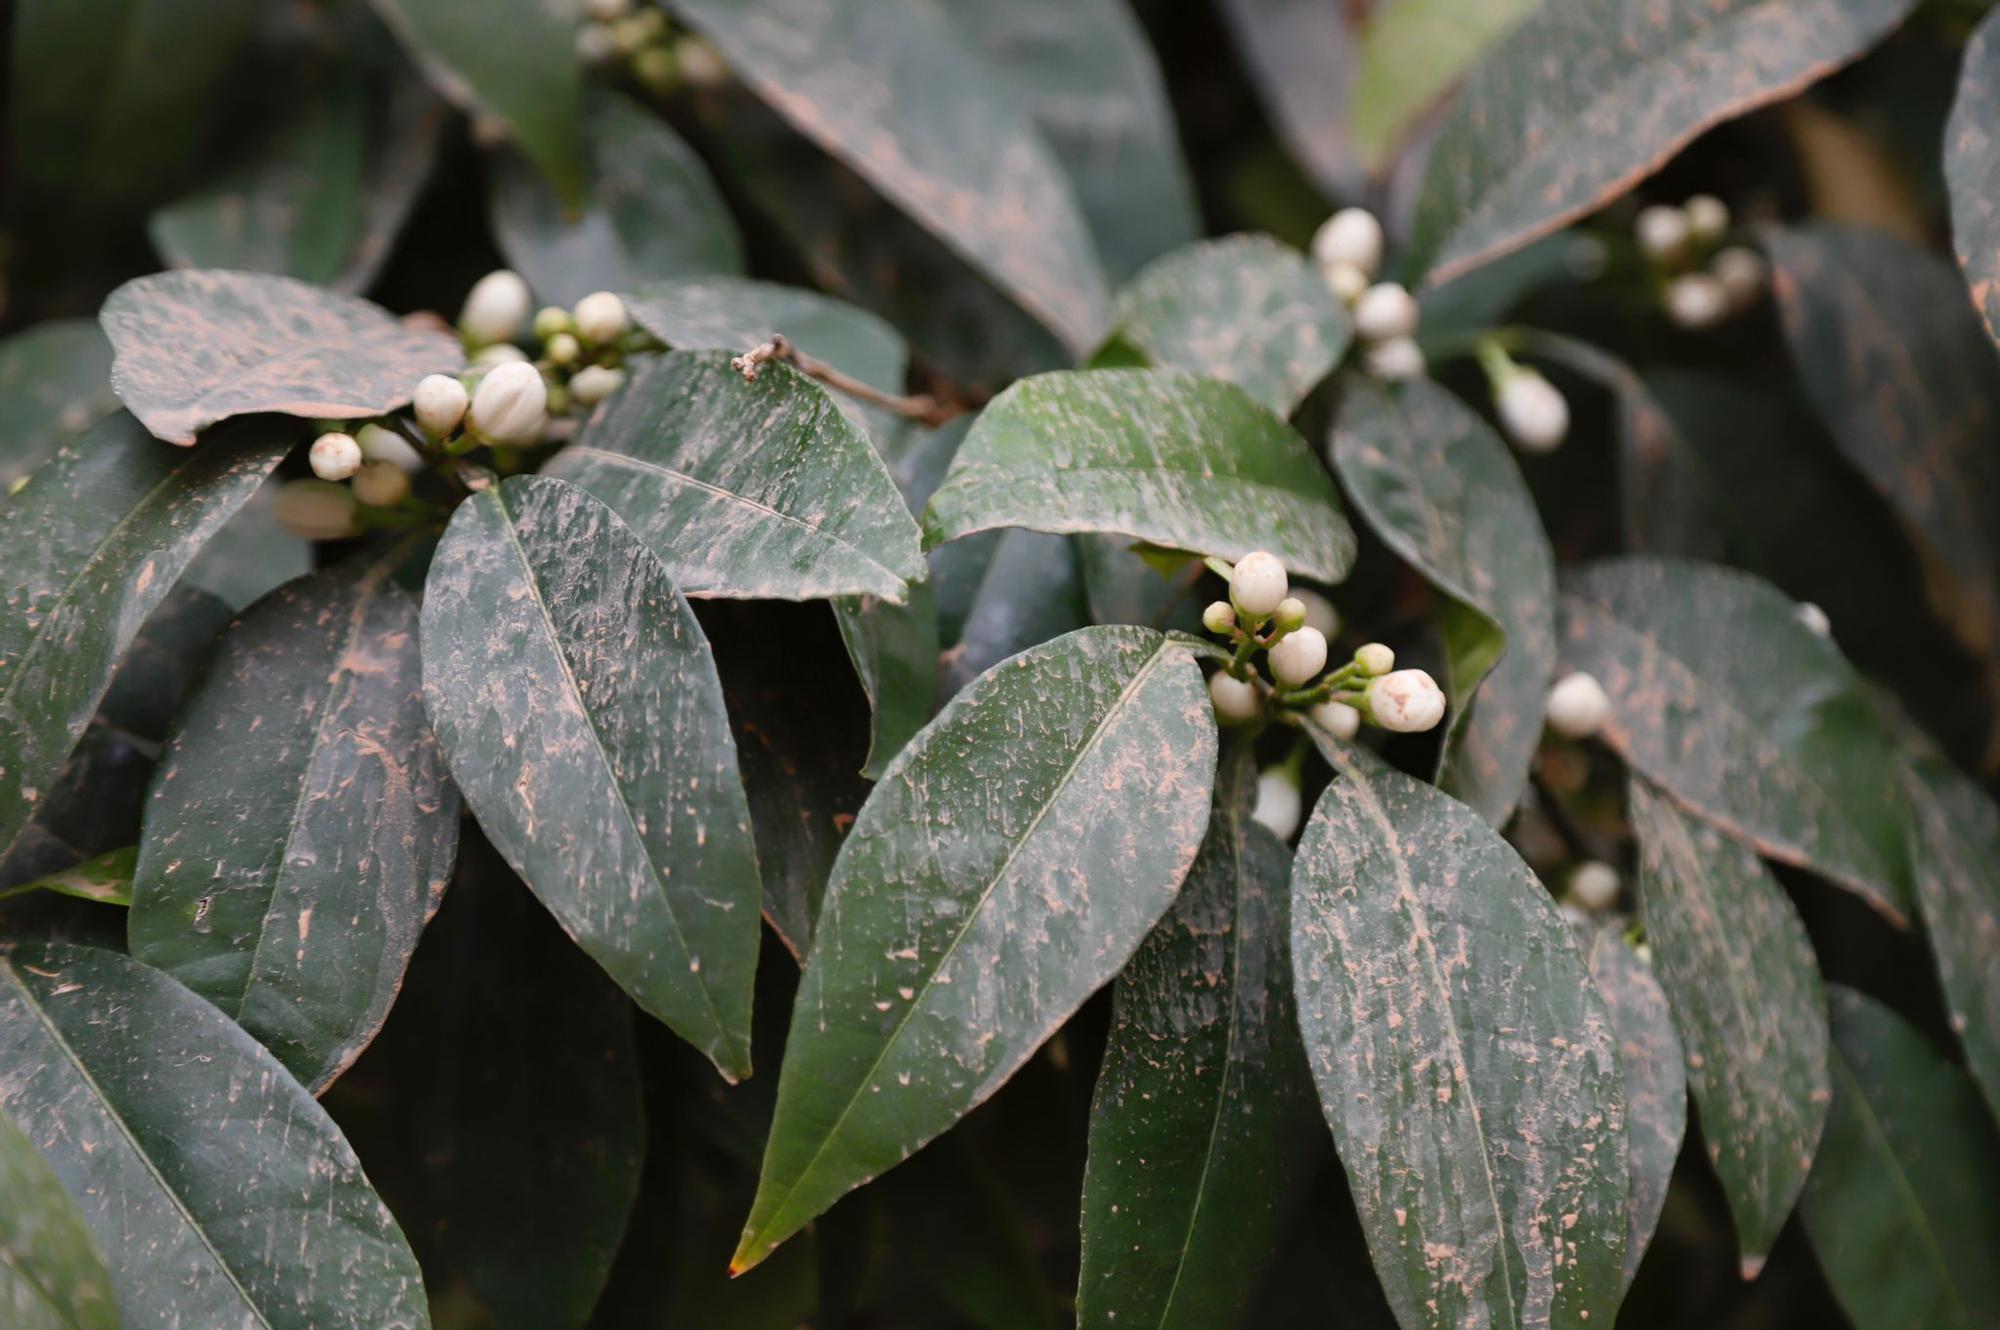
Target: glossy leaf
301,828
1739,975
252,554
724,313
106,879
1031,591
1010,861
1972,171
51,1274
1464,1061
1155,455
1412,52
1900,1205
751,490
1302,58
895,653
218,1191
889,88
1245,309
576,701
1444,493
1649,1053
196,347
1722,698
1522,152
55,383
650,211
95,540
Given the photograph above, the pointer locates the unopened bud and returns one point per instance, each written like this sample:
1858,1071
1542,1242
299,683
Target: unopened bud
1662,231
381,444
1375,659
601,317
1337,718
511,406
701,64
1290,616
1385,310
1219,617
1406,701
1397,360
335,456
593,383
1577,707
1696,301
1708,217
562,349
496,308
1594,885
1258,584
1297,658
439,404
1278,802
550,320
1532,410
381,484
1352,237
1815,620
1236,700
1346,281
1742,272
596,43
500,353
315,509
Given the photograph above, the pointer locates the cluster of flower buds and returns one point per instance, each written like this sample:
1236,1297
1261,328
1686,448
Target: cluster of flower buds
369,468
639,36
1532,411
1704,280
1347,250
581,362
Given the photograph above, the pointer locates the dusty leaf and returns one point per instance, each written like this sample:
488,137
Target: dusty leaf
55,383
52,1276
106,879
1412,52
895,653
1972,171
1031,589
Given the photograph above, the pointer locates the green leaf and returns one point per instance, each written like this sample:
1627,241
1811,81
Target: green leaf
107,879
176,1134
1031,591
300,829
252,554
1722,698
1900,1205
891,90
111,520
1464,1061
51,1274
1457,312
1412,52
750,490
1524,151
650,211
1010,860
1156,455
1972,171
196,347
1301,58
577,703
895,653
55,383
1245,309
1202,1123
1444,493
513,61
1738,971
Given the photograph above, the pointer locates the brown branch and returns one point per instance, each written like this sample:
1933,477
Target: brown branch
922,408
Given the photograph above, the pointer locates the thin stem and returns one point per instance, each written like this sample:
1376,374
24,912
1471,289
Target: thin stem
922,408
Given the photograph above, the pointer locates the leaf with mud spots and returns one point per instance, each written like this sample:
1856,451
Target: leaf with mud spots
578,706
1587,97
1202,1127
891,90
198,346
1008,864
1031,591
1901,1207
219,1192
1734,961
747,490
1245,309
300,828
52,1276
1444,493
107,879
55,383
95,540
1722,698
1158,455
1465,1062
1972,171
894,649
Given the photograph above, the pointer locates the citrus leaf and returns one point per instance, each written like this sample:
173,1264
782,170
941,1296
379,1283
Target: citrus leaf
1900,1205
1740,979
1031,591
101,532
891,90
1972,171
1202,1125
1464,1061
1587,97
219,1192
1157,455
1245,309
895,653
51,1274
750,490
576,701
1010,861
300,829
724,313
1723,699
252,554
1444,493
1412,52
196,347
107,879
55,383
1302,56
651,210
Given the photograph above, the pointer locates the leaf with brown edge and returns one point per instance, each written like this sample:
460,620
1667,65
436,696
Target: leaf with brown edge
1972,171
202,345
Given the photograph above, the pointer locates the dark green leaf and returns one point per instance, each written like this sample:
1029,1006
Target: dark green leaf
196,347
895,653
1412,52
107,879
1972,171
300,829
1155,455
252,554
1464,1060
751,490
220,1193
1900,1205
95,540
1031,591
577,703
1471,304
51,1275
55,383
1245,309
1011,859
1740,979
1443,492
1302,56
1589,96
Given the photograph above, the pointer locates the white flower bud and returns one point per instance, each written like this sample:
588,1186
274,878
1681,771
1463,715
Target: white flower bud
1594,885
562,349
1742,273
596,43
500,353
1385,310
1290,616
600,318
1696,301
1337,718
606,10
1662,231
1375,659
1397,360
1577,707
511,405
439,404
1351,236
315,509
701,64
1533,411
1236,700
381,484
1815,620
1297,658
1320,612
593,383
381,444
1707,217
335,456
496,308
1218,617
550,320
1258,584
1406,701
1278,802
1346,281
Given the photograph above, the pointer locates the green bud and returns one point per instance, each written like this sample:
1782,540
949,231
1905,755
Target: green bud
550,320
1219,617
1290,615
1375,660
